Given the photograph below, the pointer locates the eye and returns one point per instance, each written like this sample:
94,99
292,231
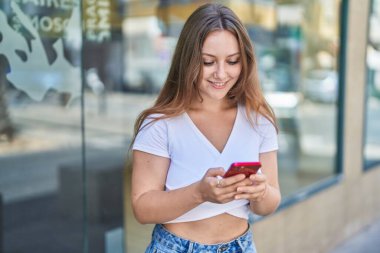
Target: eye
208,63
233,62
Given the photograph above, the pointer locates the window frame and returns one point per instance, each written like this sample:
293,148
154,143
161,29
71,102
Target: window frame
367,165
308,191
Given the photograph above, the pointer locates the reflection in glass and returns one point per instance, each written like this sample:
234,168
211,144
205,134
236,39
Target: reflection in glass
372,136
299,74
40,84
296,44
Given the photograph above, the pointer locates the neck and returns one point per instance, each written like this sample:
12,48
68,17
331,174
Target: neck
211,106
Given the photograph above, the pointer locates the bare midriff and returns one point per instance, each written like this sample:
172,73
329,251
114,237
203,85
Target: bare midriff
218,229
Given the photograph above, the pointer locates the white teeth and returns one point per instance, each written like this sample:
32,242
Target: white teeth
219,83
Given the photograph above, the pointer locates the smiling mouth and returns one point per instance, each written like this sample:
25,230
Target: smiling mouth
218,84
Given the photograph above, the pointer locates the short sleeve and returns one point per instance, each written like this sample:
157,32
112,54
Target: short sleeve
269,137
153,138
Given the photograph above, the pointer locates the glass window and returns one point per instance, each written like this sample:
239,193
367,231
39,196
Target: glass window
297,55
63,140
297,47
62,154
40,88
372,136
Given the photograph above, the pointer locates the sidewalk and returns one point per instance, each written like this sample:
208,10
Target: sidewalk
365,241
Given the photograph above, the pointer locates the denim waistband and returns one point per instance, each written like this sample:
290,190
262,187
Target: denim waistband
166,241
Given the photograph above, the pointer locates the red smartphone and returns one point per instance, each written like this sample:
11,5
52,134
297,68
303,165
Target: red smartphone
246,168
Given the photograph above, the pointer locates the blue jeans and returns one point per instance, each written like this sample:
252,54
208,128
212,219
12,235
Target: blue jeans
164,241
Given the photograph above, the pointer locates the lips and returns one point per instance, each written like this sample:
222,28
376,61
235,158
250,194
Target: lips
218,85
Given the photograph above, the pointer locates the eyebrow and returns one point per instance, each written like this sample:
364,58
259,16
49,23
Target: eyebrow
215,56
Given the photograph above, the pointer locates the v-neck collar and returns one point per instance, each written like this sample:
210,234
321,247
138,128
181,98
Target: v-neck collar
206,141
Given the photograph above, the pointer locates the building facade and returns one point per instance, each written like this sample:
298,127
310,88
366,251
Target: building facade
74,75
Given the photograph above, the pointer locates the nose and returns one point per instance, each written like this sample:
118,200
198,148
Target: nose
220,72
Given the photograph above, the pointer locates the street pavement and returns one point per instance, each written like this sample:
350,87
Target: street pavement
365,241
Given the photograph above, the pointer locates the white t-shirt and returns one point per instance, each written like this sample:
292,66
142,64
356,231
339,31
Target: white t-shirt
191,154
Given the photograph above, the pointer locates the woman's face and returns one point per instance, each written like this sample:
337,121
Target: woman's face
221,64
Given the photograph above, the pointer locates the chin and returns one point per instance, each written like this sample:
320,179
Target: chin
218,97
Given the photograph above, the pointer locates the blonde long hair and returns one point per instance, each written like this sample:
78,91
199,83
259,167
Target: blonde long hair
185,71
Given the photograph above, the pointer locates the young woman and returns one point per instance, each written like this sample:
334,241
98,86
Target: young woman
211,112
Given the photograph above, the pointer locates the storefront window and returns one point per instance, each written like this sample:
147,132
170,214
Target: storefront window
69,98
62,144
297,46
40,88
298,53
372,136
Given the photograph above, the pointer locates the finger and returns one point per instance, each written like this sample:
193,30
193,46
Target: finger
245,182
231,181
231,186
234,179
225,188
214,172
221,197
252,197
227,197
246,189
251,189
258,178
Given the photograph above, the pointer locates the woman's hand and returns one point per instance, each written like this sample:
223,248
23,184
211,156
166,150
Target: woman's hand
255,190
214,188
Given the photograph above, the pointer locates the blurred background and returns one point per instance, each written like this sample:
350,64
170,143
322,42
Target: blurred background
69,97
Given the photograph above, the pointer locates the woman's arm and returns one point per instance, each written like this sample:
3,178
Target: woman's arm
264,193
152,204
